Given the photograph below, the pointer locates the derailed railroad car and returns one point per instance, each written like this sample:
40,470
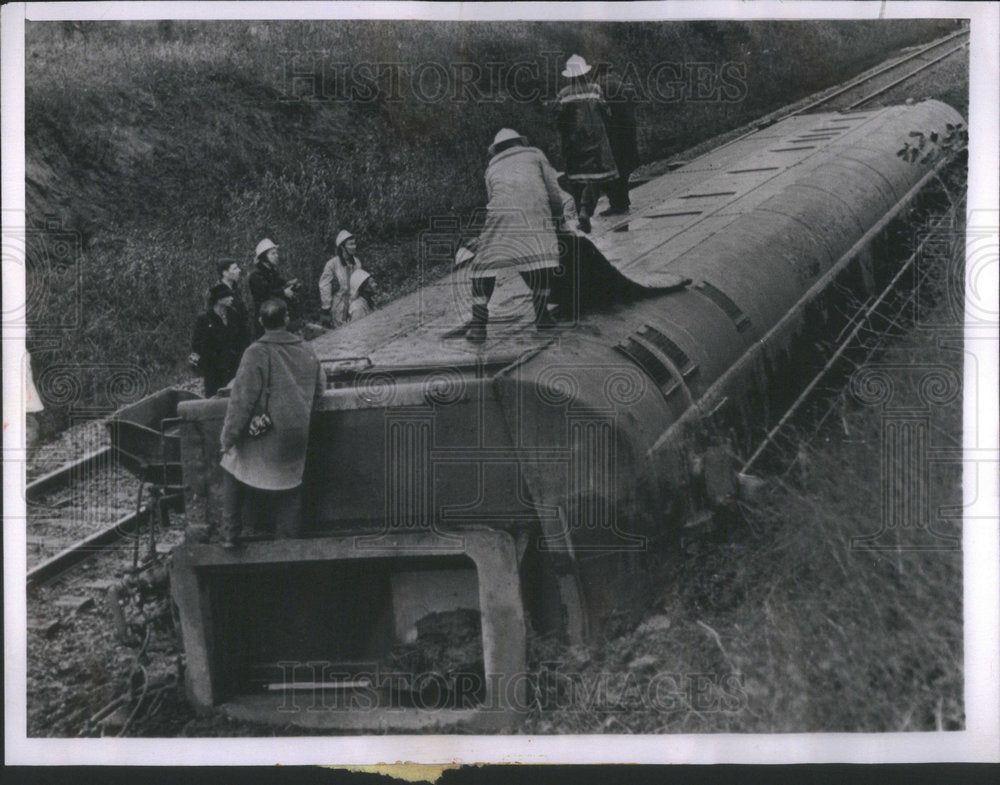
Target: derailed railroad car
458,493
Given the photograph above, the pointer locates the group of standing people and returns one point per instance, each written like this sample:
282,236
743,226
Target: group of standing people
526,205
277,380
221,335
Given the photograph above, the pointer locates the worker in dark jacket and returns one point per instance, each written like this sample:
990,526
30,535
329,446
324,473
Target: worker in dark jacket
267,283
279,376
621,136
582,118
229,273
218,340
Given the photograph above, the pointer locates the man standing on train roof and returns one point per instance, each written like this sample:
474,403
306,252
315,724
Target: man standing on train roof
621,136
218,340
346,290
524,210
582,118
266,282
229,274
280,377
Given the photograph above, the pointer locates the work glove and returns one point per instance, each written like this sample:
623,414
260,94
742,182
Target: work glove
194,360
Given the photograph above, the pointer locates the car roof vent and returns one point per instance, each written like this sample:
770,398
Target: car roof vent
662,359
674,352
721,299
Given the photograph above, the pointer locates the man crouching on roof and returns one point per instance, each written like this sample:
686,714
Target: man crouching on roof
524,210
266,430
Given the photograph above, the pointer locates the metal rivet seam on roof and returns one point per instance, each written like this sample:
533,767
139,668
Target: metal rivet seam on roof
831,195
844,156
811,231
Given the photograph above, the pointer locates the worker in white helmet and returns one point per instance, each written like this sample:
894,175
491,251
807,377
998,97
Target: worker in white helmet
346,290
267,282
526,207
582,119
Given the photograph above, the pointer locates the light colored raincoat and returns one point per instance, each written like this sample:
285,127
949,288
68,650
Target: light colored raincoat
525,205
275,460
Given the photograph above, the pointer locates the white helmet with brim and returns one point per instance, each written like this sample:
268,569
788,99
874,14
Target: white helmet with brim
263,246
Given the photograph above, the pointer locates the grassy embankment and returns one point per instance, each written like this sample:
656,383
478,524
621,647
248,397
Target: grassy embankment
166,146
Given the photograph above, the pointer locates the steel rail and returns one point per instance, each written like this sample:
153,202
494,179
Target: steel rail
124,528
64,474
98,541
867,77
779,115
910,75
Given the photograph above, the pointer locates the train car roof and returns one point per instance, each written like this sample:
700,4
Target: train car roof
671,215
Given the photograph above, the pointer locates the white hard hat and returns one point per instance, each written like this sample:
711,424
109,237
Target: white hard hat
576,66
505,135
343,236
263,246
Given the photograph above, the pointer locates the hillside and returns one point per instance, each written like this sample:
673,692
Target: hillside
164,146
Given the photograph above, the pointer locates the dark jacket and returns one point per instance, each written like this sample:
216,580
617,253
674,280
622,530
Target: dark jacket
288,366
581,117
220,345
266,282
242,314
621,124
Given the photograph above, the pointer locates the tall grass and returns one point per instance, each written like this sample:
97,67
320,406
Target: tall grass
168,145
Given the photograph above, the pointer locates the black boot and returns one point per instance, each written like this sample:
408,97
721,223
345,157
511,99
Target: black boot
543,319
477,328
538,282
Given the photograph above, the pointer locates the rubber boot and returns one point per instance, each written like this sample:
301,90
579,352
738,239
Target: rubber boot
477,328
543,319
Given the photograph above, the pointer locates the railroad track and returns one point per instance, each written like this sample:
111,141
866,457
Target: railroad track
129,527
845,97
92,496
67,505
890,74
65,475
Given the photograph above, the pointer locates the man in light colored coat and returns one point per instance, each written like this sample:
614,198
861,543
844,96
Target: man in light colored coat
346,290
280,375
524,210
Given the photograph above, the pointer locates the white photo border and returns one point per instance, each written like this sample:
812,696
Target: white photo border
980,742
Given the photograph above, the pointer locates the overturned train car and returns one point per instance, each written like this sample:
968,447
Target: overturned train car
457,494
